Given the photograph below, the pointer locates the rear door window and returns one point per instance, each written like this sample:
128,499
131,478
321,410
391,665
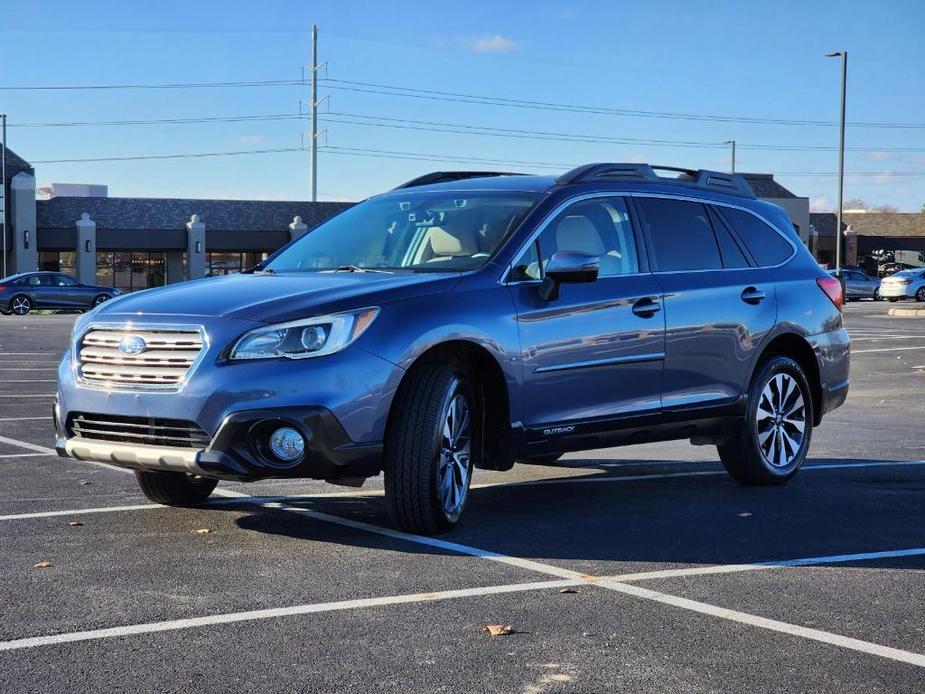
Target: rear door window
733,257
681,235
765,244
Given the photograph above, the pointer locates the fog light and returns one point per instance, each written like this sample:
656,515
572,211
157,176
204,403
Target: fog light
287,444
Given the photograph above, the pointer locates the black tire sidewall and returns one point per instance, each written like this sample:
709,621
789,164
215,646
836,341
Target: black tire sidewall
920,294
760,468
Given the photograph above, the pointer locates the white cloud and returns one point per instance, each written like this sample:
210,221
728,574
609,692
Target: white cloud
821,204
880,156
492,44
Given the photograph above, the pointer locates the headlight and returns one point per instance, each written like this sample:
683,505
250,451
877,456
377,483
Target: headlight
300,339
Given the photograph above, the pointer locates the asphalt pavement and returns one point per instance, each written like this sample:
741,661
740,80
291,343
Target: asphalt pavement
642,568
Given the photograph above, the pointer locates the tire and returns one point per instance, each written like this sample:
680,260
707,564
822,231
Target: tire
876,296
757,455
99,299
427,473
20,304
547,459
174,488
920,294
5,312
892,299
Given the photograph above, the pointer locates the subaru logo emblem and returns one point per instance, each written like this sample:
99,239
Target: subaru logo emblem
132,344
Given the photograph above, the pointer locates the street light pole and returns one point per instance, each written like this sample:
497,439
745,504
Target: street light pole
841,158
314,138
733,143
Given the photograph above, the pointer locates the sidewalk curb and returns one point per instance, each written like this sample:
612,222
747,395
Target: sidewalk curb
906,312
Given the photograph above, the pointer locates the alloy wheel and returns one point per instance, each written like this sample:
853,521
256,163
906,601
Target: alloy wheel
21,305
781,420
99,300
454,459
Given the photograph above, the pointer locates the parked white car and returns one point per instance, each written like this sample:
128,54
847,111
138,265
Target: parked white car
907,284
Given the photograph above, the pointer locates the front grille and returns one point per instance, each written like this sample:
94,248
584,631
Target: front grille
152,431
166,358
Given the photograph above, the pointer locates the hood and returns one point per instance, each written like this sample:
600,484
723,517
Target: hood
282,297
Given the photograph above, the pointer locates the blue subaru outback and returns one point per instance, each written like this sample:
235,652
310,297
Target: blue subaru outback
472,320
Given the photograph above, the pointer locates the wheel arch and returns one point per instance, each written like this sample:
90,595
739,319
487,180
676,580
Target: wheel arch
493,388
797,348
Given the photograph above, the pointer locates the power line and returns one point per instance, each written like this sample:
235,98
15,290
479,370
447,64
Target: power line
458,128
168,85
432,94
161,121
184,155
416,156
455,128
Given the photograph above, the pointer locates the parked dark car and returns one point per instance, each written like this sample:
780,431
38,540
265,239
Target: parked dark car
21,293
467,321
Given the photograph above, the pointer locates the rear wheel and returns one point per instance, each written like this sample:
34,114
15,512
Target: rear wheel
100,299
174,488
773,440
920,294
20,304
433,436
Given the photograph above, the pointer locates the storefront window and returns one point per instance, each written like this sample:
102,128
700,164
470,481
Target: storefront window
57,261
130,271
227,263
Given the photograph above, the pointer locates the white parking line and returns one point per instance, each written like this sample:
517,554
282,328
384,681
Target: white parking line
572,578
37,395
22,419
770,624
31,380
763,566
4,456
252,615
27,446
885,349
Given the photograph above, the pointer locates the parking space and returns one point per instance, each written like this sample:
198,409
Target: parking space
303,586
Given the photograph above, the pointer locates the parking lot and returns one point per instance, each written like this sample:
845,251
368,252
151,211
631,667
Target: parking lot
621,570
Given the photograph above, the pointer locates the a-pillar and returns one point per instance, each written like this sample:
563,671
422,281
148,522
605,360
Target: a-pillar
85,253
195,248
297,228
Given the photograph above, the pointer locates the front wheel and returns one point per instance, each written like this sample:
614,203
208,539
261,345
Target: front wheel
433,436
174,488
21,305
99,299
773,440
920,294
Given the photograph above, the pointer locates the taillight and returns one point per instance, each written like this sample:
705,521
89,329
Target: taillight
2,287
905,281
832,288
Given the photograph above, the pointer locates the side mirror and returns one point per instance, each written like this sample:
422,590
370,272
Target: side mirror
567,266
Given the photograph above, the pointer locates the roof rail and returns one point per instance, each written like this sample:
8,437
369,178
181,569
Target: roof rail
731,184
444,176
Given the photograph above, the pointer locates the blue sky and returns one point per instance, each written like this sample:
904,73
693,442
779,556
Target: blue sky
739,59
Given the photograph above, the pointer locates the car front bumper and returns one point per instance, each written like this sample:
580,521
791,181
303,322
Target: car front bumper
338,402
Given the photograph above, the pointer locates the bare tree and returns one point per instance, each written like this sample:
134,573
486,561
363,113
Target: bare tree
855,204
884,208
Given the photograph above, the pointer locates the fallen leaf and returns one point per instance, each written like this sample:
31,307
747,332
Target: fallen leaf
498,629
74,524
568,590
85,482
743,515
202,531
41,565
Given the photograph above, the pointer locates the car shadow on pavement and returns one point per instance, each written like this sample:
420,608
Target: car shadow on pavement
670,521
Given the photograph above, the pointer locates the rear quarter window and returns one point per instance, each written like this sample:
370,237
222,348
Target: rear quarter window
765,244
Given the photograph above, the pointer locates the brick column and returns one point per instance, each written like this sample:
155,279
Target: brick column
24,253
85,253
195,248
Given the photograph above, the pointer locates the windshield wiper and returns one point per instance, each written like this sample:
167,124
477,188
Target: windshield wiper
356,268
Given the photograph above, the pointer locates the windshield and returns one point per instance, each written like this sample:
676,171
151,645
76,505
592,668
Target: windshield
417,231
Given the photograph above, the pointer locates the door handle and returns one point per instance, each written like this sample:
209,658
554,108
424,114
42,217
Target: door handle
646,307
753,295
